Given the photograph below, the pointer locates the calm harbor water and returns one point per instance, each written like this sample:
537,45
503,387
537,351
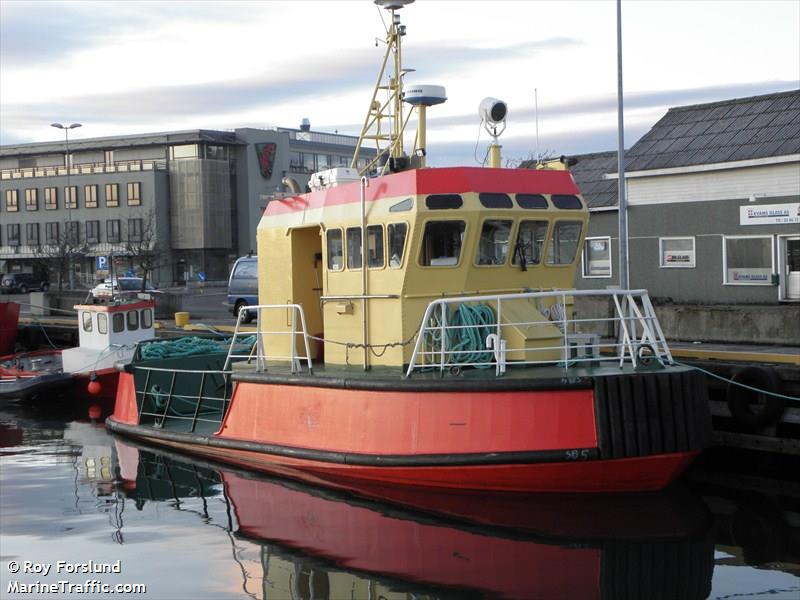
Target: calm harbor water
81,509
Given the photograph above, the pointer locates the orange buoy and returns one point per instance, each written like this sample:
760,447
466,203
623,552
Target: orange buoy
94,410
94,387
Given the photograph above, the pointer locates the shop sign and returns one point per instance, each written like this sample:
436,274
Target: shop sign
749,275
770,214
682,257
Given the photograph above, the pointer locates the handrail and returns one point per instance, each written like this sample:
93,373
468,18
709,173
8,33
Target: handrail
261,356
640,337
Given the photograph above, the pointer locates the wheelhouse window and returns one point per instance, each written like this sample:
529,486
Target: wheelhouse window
375,258
530,242
747,260
31,199
87,321
102,323
493,245
112,194
532,201
597,257
147,318
441,243
676,252
51,198
443,201
133,320
335,250
564,243
396,234
495,200
566,202
118,322
90,196
354,248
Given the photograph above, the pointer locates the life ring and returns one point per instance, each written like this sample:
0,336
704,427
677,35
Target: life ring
750,408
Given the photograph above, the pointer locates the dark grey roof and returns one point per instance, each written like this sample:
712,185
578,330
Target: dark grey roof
739,129
589,174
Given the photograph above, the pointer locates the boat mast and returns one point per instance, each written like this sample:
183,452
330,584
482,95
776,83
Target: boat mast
392,108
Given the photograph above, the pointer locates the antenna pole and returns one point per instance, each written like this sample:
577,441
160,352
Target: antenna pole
624,274
536,110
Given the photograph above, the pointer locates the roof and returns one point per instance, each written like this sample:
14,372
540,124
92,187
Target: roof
763,126
589,174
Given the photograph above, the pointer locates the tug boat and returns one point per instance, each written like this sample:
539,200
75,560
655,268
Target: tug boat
417,327
107,333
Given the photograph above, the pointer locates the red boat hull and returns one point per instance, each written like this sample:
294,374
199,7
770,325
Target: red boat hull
507,441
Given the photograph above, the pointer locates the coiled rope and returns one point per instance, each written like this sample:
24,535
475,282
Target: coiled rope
192,346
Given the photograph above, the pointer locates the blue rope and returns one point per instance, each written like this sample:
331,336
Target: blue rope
745,386
467,328
192,346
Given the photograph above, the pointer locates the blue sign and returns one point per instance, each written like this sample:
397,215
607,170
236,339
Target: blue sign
201,276
101,263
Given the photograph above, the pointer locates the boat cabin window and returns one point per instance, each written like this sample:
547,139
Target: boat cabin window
402,206
354,248
335,250
147,318
495,200
87,321
396,232
530,242
118,322
375,246
531,201
133,320
102,323
564,243
441,243
443,201
493,245
566,202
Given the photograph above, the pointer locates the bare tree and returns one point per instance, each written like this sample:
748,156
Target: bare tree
142,247
58,254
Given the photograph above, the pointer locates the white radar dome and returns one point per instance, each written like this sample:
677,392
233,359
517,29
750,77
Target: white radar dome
424,95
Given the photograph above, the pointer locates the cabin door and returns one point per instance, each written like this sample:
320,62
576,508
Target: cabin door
307,279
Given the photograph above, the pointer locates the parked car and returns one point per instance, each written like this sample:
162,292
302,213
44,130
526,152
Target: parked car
22,283
121,286
243,286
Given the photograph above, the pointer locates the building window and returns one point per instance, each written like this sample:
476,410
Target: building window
50,198
134,230
93,232
90,196
564,244
73,232
335,250
112,231
441,243
112,194
31,199
676,252
309,164
396,233
32,234
354,247
597,257
134,194
12,201
184,151
108,157
51,233
13,234
71,196
747,260
530,242
295,162
493,245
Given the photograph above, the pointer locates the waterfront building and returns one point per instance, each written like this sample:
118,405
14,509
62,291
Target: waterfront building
194,197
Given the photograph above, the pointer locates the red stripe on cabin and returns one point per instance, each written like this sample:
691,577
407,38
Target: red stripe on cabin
453,180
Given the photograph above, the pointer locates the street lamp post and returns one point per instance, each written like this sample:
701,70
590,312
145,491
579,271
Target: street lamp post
68,191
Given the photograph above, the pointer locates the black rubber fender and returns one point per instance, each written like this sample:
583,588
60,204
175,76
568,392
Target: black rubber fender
752,409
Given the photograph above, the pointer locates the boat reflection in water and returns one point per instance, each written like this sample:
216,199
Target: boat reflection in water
322,543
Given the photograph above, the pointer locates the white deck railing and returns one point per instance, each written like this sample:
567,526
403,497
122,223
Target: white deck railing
638,335
296,318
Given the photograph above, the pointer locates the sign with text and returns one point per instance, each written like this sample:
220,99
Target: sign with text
770,214
101,265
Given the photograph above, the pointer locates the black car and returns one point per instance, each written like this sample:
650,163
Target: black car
22,283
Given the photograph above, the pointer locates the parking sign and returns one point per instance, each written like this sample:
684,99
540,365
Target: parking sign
101,264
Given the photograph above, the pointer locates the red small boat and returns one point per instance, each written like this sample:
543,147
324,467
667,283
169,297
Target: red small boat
108,333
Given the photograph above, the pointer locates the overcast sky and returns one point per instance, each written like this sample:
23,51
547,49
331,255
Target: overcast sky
143,67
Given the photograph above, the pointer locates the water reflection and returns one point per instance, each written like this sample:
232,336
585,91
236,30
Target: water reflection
320,543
